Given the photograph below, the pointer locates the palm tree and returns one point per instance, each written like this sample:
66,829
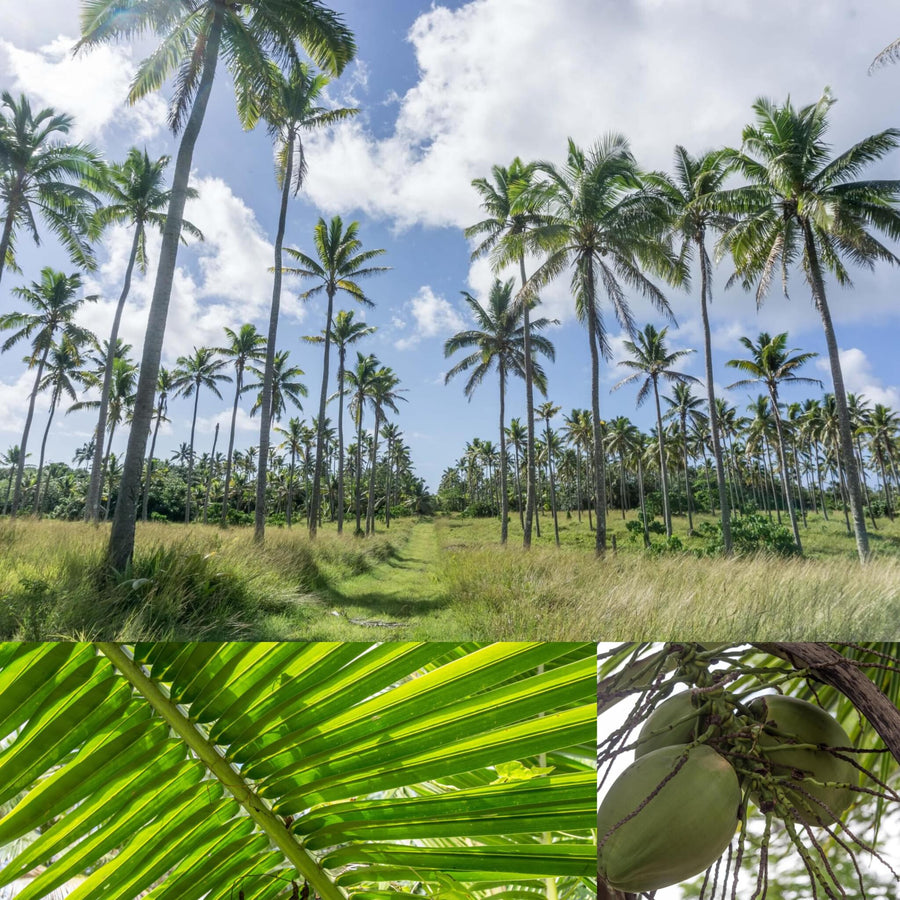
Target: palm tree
243,346
547,411
620,437
289,107
41,174
344,332
11,459
504,235
801,205
771,363
293,441
63,372
517,435
165,384
360,380
697,179
652,361
285,386
54,299
580,432
249,36
138,195
605,227
200,369
499,340
390,431
341,263
384,393
684,405
882,428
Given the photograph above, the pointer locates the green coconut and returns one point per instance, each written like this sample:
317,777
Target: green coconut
680,832
674,721
791,721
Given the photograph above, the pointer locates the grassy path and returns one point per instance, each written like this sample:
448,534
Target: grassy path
399,599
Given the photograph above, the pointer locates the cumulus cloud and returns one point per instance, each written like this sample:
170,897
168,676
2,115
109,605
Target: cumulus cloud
860,379
92,87
433,316
14,402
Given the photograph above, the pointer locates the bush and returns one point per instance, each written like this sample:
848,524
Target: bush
750,534
481,509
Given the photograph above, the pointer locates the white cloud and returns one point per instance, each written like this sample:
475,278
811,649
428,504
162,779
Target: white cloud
859,378
433,316
14,403
243,423
92,87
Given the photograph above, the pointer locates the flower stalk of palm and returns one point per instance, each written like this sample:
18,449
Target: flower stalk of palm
499,340
55,301
138,196
40,174
344,332
250,36
289,107
607,229
200,369
652,361
803,206
164,384
340,264
244,346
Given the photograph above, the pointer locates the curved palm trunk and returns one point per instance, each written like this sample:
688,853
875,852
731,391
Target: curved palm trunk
121,539
23,446
146,501
370,503
840,398
785,472
724,505
209,475
239,382
342,358
92,507
531,474
37,487
320,431
504,498
663,475
265,411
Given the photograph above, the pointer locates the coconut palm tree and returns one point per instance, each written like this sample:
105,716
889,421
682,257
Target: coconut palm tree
289,106
41,175
360,381
772,363
683,405
293,441
390,431
244,346
517,435
802,205
607,230
202,369
55,302
340,264
165,384
138,196
547,411
499,340
652,361
285,386
249,36
882,428
580,433
384,393
688,194
344,332
620,436
504,235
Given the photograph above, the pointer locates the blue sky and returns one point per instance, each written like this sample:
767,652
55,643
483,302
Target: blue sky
447,90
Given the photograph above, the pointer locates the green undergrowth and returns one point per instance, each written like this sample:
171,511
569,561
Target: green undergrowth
199,583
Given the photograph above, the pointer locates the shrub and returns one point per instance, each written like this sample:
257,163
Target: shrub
750,534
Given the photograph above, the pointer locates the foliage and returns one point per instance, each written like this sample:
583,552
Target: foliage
751,533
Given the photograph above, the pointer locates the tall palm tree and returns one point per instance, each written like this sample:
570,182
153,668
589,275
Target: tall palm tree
606,229
244,346
63,372
360,381
249,36
390,431
771,363
517,435
802,205
201,369
285,386
683,405
11,459
620,436
696,181
293,441
580,432
138,196
652,361
384,393
547,411
55,301
499,340
165,384
504,235
39,173
344,332
289,106
340,264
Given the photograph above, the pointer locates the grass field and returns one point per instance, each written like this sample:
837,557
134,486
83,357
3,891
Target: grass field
440,579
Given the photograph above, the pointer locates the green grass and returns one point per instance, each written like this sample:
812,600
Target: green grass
440,579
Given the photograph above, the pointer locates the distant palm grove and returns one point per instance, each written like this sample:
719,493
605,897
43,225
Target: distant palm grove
780,203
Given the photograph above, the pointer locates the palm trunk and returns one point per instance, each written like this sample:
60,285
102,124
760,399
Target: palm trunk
320,431
531,475
209,476
92,507
840,397
552,488
121,540
265,411
190,472
370,503
504,499
663,479
37,488
239,381
865,486
146,501
20,470
785,472
598,473
643,503
359,467
519,487
340,499
290,496
388,472
108,450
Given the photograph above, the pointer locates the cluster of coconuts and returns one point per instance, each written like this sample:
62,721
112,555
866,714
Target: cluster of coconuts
672,813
